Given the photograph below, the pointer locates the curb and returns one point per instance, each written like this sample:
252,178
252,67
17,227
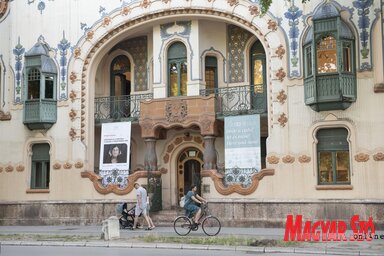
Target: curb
113,244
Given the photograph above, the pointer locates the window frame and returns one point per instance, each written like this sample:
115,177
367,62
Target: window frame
333,150
180,60
41,164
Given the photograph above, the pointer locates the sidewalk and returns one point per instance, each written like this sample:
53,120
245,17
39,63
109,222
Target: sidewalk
127,239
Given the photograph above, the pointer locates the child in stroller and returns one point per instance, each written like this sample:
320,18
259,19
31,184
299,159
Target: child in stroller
127,217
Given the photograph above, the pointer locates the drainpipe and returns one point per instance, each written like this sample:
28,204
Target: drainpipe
380,86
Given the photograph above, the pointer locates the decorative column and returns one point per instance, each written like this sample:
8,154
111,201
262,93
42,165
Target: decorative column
150,158
210,158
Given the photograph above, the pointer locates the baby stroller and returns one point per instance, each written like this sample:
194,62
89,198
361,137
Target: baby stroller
127,217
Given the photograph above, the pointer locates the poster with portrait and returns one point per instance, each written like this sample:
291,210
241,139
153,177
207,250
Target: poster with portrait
114,152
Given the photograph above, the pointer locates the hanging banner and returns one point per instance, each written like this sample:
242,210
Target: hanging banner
114,153
242,148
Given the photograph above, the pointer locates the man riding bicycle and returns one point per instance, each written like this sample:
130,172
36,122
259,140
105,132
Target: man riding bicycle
191,199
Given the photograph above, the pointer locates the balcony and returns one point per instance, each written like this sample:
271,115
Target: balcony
330,92
119,108
40,113
229,101
238,100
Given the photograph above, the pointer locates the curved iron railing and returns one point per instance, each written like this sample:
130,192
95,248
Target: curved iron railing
126,107
238,100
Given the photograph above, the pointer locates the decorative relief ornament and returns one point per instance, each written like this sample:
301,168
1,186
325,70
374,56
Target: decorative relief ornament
362,157
304,159
67,165
72,95
288,159
5,116
378,157
77,52
280,51
3,7
72,114
73,77
145,3
233,2
1,169
273,160
272,25
125,10
281,74
9,168
106,21
20,168
176,111
254,10
90,35
282,97
79,164
72,133
282,120
56,166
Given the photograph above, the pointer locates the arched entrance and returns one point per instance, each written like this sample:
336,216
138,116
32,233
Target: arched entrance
189,166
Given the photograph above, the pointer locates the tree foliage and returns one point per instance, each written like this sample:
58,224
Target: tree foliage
265,4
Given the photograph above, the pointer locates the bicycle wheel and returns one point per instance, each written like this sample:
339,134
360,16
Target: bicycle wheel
182,225
211,226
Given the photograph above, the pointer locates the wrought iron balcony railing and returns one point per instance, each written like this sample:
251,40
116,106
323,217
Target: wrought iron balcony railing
120,108
239,100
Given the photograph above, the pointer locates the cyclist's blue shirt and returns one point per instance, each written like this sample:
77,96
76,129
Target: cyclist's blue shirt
189,205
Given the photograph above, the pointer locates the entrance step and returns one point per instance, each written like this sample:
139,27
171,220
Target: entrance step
165,218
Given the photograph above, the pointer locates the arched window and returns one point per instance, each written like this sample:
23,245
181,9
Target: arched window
177,68
329,70
258,94
333,156
210,73
120,76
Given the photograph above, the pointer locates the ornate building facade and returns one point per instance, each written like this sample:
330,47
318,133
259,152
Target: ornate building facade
176,69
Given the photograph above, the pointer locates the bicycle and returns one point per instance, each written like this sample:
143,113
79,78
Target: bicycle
209,223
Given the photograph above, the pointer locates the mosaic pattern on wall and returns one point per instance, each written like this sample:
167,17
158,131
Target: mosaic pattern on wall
40,5
237,38
18,51
137,47
63,47
362,13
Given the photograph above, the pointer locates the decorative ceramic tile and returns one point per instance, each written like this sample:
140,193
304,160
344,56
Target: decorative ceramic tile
18,51
40,5
63,47
237,38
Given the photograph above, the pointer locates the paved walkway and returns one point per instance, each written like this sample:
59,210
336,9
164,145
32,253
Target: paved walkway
53,236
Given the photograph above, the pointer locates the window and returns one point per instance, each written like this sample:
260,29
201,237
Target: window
210,73
329,72
120,76
326,55
34,84
333,156
40,166
177,69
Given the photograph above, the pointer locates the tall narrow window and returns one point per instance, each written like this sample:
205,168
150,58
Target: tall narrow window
308,61
120,76
177,69
34,84
210,73
333,156
258,68
40,173
347,60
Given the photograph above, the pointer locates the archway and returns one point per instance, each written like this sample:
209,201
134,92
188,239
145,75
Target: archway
189,166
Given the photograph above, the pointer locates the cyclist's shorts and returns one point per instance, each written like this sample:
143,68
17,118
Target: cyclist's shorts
191,209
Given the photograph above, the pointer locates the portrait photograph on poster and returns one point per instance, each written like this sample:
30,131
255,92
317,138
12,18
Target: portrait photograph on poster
115,153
